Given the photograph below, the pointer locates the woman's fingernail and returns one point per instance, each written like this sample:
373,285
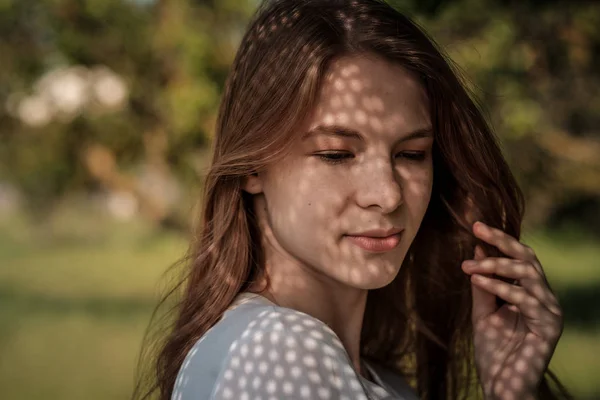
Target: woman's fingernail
480,226
478,253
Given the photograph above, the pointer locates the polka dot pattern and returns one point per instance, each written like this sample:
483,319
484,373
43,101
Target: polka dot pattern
262,351
289,354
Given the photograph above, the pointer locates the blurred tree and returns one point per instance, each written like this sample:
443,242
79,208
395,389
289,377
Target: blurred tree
534,65
173,56
122,94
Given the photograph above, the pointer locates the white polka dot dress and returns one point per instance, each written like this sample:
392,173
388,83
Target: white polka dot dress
262,351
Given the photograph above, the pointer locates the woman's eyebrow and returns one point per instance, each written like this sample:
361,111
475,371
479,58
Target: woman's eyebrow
341,131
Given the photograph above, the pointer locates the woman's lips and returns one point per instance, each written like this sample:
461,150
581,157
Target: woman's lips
376,244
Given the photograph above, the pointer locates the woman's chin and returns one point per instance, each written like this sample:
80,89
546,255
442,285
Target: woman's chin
375,274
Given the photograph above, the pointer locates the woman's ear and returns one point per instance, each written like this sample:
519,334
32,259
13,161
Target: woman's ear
252,184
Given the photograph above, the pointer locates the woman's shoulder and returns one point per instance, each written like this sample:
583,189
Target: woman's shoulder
258,348
254,320
203,362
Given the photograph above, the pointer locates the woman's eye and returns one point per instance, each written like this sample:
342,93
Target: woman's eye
339,157
413,155
334,157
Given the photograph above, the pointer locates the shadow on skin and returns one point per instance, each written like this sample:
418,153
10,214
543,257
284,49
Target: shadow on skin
509,384
370,185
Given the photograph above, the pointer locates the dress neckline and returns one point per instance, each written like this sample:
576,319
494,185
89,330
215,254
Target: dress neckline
246,297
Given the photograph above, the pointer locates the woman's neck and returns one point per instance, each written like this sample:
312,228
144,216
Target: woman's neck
303,289
289,282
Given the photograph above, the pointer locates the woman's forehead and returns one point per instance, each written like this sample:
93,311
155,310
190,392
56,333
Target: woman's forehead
371,94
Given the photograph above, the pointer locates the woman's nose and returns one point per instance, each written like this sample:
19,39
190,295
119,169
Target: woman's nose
379,185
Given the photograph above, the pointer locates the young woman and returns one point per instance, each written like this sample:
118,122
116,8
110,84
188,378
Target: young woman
338,255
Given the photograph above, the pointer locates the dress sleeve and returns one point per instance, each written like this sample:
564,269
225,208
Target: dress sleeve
287,355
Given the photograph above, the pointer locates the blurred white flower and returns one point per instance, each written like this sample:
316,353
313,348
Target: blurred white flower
160,186
35,111
67,91
66,88
108,88
122,205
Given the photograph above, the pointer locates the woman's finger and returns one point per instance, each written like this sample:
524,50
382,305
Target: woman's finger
483,302
525,272
529,306
504,242
504,267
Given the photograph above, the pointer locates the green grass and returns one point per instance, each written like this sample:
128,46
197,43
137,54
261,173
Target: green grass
576,362
75,298
74,305
569,259
68,355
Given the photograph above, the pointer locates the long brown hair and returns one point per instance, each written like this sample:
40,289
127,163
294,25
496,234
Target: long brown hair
420,324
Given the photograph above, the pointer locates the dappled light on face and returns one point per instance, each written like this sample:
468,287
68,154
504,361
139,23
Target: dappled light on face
339,84
336,102
360,117
356,85
349,100
372,104
320,210
347,71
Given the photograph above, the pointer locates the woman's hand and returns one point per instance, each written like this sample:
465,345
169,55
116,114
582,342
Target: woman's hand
513,343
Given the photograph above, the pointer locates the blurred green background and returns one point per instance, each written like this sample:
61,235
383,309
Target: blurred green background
107,110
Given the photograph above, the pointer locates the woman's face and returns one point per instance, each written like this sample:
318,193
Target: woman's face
361,163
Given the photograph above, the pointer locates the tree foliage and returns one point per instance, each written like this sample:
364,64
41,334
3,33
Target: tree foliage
532,63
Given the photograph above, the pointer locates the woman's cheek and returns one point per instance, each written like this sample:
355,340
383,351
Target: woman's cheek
417,193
